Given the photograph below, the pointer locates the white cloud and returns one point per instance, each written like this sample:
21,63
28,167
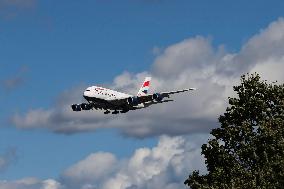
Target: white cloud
273,65
50,184
192,62
159,167
30,183
164,166
92,169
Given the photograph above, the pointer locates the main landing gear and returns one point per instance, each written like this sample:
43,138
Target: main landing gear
124,111
107,112
115,111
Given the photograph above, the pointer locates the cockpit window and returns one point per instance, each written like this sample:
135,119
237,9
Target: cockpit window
88,90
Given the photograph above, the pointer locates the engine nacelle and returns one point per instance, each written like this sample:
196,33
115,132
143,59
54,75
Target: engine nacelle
157,97
76,107
133,100
85,106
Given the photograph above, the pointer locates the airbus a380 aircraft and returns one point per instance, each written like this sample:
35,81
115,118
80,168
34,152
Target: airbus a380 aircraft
107,99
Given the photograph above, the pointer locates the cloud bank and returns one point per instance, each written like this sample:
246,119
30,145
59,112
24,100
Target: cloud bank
163,166
193,62
30,183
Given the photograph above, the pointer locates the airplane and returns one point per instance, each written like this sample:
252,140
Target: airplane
118,102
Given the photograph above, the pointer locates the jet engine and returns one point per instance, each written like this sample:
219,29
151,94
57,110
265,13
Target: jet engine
158,97
76,107
85,106
133,100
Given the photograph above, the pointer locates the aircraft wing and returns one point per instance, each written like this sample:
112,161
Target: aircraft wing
178,91
146,98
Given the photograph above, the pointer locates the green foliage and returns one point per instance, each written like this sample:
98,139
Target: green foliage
247,151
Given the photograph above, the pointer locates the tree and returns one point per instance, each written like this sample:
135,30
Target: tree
247,151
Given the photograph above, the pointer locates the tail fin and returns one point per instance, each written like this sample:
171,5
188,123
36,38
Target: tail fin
145,87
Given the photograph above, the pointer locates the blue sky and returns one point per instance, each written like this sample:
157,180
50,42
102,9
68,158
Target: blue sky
49,47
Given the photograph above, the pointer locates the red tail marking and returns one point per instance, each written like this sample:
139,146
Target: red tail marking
146,84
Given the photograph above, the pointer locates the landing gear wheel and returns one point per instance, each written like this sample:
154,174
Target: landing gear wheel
107,112
124,111
115,112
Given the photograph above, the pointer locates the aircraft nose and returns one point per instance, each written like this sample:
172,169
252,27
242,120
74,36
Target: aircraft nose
85,93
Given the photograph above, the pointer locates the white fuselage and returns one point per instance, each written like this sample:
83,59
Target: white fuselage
95,93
